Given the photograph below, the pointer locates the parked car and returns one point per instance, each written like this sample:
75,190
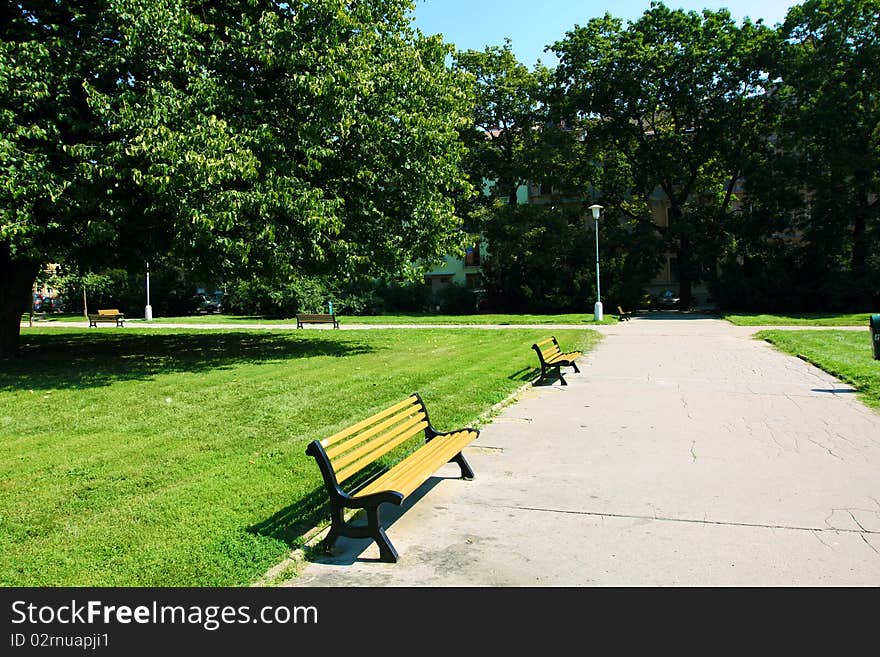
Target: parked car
45,304
667,299
209,304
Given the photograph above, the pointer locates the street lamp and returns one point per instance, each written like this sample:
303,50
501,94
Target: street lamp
148,311
597,309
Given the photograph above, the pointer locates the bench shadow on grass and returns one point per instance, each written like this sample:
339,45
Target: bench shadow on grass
292,522
525,374
86,360
312,510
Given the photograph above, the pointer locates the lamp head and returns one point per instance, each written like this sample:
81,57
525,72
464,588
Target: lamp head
596,209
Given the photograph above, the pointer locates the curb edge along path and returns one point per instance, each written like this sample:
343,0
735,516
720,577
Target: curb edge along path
686,453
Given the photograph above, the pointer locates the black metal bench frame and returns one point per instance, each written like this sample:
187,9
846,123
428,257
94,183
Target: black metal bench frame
556,363
305,318
341,500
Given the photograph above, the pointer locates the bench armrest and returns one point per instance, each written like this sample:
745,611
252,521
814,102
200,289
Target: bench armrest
431,432
374,499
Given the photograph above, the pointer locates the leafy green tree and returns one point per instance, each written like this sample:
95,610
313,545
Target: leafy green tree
506,133
541,258
535,260
670,102
829,138
282,139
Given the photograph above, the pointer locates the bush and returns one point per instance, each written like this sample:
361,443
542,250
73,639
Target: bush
455,299
405,297
258,297
307,294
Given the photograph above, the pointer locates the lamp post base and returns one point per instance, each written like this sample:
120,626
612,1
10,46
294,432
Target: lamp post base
597,312
148,313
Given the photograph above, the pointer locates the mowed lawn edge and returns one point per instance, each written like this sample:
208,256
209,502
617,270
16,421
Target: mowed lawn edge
405,319
176,457
847,355
804,319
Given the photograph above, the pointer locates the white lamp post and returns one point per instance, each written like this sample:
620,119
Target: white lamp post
148,311
597,309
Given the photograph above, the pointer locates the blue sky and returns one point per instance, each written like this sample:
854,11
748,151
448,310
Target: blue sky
533,24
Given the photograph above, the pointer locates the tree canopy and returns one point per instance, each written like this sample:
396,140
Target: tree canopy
286,137
669,103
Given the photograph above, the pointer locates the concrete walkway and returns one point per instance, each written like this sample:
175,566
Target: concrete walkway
686,453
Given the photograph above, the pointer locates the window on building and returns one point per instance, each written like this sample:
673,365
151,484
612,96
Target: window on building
473,281
472,255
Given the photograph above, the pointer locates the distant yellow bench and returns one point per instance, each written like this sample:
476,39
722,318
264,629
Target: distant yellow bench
107,315
623,316
551,356
356,450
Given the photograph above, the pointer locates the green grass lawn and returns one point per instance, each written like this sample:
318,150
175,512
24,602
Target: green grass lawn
412,318
805,319
39,318
176,457
405,318
848,355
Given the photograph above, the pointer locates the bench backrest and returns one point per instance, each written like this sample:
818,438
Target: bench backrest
111,311
315,318
353,449
548,348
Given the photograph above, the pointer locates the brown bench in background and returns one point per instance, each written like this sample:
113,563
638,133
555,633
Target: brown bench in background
303,318
353,453
106,315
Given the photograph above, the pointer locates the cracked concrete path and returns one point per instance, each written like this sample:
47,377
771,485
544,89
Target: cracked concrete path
686,453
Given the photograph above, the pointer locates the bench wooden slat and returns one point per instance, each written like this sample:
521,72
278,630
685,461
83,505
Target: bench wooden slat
357,460
408,475
336,437
569,356
366,435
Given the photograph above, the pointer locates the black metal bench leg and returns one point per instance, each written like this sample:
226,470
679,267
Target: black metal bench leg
466,472
337,525
574,365
386,550
559,374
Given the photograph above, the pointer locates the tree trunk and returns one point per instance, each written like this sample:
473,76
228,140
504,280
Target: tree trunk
859,248
859,252
683,254
685,279
16,283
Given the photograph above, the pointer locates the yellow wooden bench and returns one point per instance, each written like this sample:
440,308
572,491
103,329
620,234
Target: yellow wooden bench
305,318
622,315
106,315
352,455
551,356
